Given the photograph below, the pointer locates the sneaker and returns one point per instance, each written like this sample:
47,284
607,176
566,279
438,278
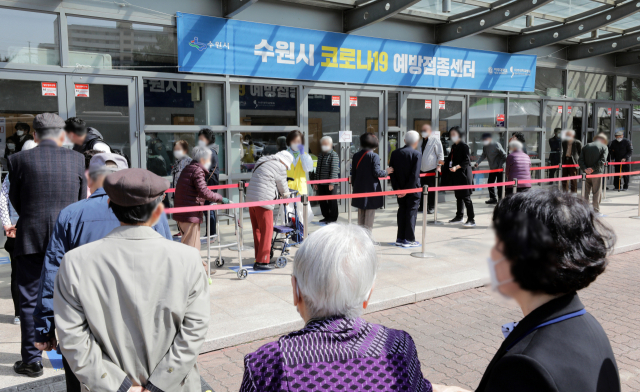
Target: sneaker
400,242
263,266
491,201
626,188
470,223
16,320
456,220
431,210
28,369
411,244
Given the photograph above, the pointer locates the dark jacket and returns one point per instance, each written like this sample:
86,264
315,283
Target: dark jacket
80,223
44,180
214,172
405,162
554,147
594,156
459,155
518,166
576,149
365,171
18,141
573,355
619,150
93,137
191,191
328,166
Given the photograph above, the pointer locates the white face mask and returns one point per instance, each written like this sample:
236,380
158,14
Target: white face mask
207,165
495,283
425,135
202,143
295,146
20,132
455,138
11,146
619,139
178,154
326,148
486,142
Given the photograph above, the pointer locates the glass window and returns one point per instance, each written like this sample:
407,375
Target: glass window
635,136
603,120
589,85
363,118
475,144
622,118
549,82
622,88
532,142
20,101
258,104
29,37
485,112
575,118
635,89
111,44
393,109
248,147
324,120
419,113
160,159
524,113
170,102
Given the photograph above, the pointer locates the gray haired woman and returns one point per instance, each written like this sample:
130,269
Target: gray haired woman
333,277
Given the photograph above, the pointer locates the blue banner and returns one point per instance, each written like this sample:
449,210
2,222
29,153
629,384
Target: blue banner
224,46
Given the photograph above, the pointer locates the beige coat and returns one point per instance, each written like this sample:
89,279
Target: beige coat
132,307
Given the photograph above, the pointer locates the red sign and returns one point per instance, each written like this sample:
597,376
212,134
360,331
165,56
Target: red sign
335,100
82,90
353,101
569,110
609,111
427,104
441,105
49,89
500,120
559,109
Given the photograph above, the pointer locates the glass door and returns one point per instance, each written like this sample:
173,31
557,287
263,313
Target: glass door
621,121
602,118
554,122
109,106
635,136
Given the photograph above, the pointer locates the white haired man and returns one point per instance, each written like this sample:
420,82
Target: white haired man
571,149
331,287
328,168
405,162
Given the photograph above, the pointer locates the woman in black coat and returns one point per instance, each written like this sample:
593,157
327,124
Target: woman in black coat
458,164
541,259
365,174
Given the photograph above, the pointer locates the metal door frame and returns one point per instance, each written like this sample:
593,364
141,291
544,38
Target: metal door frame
136,147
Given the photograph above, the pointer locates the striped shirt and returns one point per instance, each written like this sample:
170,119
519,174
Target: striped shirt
328,166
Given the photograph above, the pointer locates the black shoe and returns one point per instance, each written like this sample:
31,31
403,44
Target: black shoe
456,220
470,223
431,211
263,266
626,188
491,201
323,220
28,369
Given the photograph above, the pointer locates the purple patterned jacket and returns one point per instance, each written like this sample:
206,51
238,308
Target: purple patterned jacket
336,354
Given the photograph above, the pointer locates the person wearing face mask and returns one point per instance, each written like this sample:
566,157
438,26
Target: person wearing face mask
592,160
328,168
620,150
16,141
191,190
518,166
519,136
182,159
540,260
496,156
206,138
432,161
459,165
132,309
80,223
302,162
158,161
331,288
571,149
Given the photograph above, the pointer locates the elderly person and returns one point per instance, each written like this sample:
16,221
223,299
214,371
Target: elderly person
328,168
432,161
268,182
540,260
493,152
302,162
117,332
191,190
459,166
331,287
182,159
405,162
519,136
365,178
592,159
620,150
518,167
571,149
207,138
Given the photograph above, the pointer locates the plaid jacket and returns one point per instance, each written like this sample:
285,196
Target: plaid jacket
44,180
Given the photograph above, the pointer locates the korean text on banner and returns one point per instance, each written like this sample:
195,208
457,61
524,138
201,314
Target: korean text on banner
225,46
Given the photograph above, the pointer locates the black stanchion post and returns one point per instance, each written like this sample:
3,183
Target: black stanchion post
305,212
504,187
584,186
560,174
242,189
604,182
515,186
350,190
424,254
208,214
435,205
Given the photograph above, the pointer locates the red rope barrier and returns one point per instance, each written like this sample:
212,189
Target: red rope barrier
331,180
226,186
549,180
623,163
214,207
488,171
613,174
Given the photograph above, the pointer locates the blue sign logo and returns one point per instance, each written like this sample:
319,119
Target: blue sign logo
198,45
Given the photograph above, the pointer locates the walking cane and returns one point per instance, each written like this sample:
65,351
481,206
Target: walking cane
424,254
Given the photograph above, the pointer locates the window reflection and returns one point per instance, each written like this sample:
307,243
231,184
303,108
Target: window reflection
256,104
171,102
29,37
549,82
589,85
248,147
160,145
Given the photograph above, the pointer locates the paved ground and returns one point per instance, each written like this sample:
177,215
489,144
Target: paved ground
457,334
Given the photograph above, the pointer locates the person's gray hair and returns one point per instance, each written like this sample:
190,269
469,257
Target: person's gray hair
411,137
328,138
569,131
516,145
200,152
335,269
49,133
